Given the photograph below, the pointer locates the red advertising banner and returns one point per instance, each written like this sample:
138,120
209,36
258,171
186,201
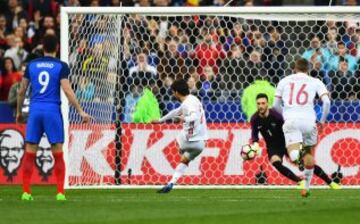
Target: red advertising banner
12,150
149,156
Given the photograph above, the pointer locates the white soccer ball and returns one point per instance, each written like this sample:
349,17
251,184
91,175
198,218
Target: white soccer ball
248,152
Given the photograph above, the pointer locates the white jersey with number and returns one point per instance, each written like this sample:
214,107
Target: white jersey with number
298,92
194,126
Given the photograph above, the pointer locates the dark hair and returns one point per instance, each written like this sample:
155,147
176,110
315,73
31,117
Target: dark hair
50,43
262,95
302,65
12,62
341,43
180,86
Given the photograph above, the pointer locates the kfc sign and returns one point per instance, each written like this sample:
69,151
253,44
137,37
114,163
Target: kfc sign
150,154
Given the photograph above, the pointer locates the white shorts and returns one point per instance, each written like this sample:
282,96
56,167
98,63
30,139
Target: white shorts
190,149
300,131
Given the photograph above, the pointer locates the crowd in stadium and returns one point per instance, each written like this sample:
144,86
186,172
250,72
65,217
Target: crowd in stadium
219,57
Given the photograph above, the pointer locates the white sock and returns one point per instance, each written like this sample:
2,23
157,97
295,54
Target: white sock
294,155
179,171
308,173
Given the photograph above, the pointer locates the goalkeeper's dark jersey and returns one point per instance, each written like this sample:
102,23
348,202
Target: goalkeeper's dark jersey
270,128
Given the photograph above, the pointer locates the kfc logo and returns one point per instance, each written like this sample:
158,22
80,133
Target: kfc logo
44,158
11,151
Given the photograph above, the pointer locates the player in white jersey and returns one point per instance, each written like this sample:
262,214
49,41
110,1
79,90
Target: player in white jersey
296,93
193,136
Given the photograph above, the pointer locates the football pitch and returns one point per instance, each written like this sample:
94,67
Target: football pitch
180,206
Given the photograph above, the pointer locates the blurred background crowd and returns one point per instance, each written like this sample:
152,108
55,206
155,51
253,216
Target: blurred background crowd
222,58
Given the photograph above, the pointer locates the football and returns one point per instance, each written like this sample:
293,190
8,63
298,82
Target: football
248,152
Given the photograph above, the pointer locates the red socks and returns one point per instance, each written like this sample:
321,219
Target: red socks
29,160
59,169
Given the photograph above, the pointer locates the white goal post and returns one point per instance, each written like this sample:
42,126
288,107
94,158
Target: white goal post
105,45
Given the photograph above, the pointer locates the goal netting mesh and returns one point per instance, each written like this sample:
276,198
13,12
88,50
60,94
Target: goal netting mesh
122,66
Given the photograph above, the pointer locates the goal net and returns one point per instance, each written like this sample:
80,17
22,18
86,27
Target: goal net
123,61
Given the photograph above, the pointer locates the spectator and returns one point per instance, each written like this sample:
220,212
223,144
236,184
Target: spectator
46,7
131,100
208,54
171,61
341,55
162,3
17,52
258,41
345,86
232,68
8,78
165,91
142,69
78,54
254,67
72,3
192,83
40,26
248,100
143,3
208,83
13,92
14,14
316,53
96,66
347,38
316,72
3,33
332,40
85,89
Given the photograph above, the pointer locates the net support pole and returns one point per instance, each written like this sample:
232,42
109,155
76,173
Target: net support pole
64,43
118,103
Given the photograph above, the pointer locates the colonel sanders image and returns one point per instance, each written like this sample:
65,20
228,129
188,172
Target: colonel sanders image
11,151
44,158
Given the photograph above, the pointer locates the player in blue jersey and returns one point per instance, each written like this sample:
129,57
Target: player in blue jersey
46,76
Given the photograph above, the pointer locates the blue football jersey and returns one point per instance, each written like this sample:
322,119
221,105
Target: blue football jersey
44,75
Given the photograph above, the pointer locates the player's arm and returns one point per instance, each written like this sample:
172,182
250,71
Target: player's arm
278,97
70,95
172,114
65,85
255,136
20,99
277,104
324,96
254,131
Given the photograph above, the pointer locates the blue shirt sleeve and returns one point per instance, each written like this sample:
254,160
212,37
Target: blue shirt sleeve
65,71
27,73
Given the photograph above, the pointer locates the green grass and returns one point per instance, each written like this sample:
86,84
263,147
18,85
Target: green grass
180,206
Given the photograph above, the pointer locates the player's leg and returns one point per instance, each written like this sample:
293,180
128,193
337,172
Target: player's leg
293,138
29,159
34,131
54,129
59,169
276,161
319,172
309,164
189,151
309,132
